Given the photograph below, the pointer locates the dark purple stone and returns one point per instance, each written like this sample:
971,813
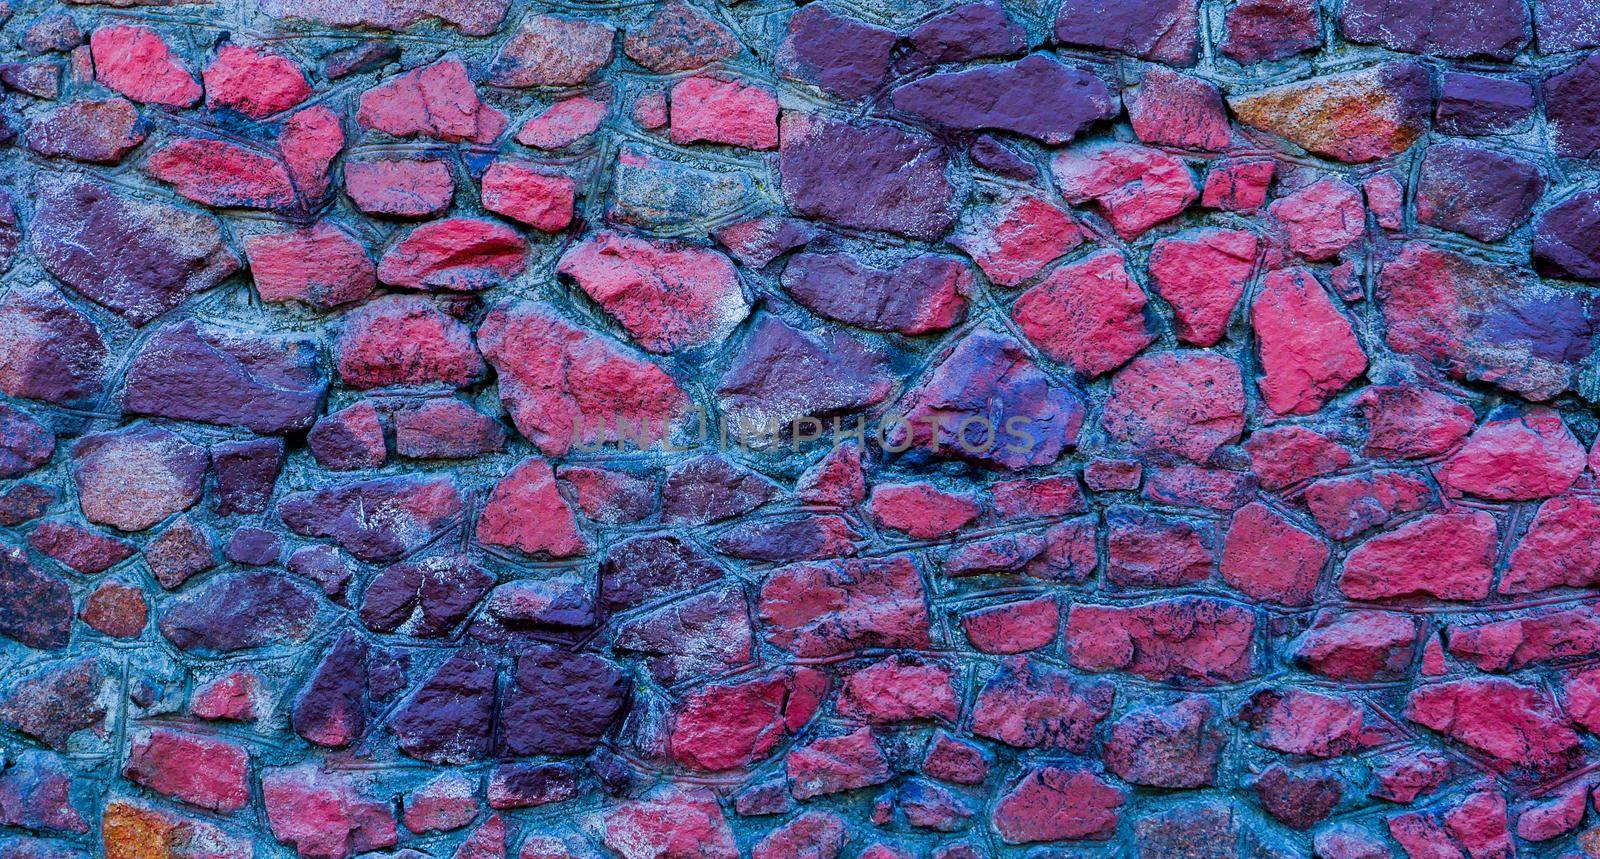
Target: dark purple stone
1035,96
1566,238
1476,191
35,607
253,547
531,785
364,56
57,701
268,384
25,444
331,710
560,703
247,472
424,598
375,520
25,501
968,32
710,488
1162,30
990,154
869,175
239,611
647,568
56,353
1264,30
1572,104
803,538
781,374
1449,28
841,56
907,297
1478,104
447,719
1566,25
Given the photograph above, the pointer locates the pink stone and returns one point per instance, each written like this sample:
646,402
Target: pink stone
455,254
136,477
321,266
1514,725
1134,186
405,340
1446,555
254,82
235,696
1406,422
1385,199
1238,185
552,50
1320,220
900,689
223,174
401,187
1184,403
1088,315
563,123
1053,804
325,815
136,62
1559,549
1015,627
1308,349
669,295
1282,456
310,141
921,510
205,772
1269,558
1201,639
1515,455
825,608
1202,274
830,765
435,101
540,199
443,803
1173,109
1017,238
526,512
707,109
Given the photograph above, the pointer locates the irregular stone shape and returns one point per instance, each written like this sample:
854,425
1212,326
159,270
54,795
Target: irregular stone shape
37,608
471,17
647,568
834,607
117,609
426,598
924,293
1446,555
921,510
1016,238
221,174
610,497
444,803
405,340
1035,97
1308,349
1150,550
830,765
1481,105
561,601
551,50
1200,639
670,821
1484,322
321,266
400,187
1407,422
1557,550
1202,274
35,793
560,703
325,815
840,55
349,439
25,444
1164,31
1055,804
758,241
1490,28
540,199
1564,243
564,386
1030,705
714,110
446,429
965,32
331,708
663,195
679,37
1516,726
865,175
1534,639
79,549
136,258
133,478
1135,187
988,377
375,520
1321,220
668,295
1346,506
201,771
1515,455
1238,184
269,384
456,255
1183,403
1298,722
1172,109
711,488
562,124
1269,558
1174,746
253,82
1358,645
1475,191
136,62
527,513
1088,315
1354,117
900,689
436,101
446,720
309,142
1282,456
1012,627
702,635
781,375
239,611
95,132
1262,30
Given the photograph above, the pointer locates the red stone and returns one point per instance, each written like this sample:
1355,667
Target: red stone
1183,403
1269,558
349,439
1299,722
116,609
400,187
1134,186
236,696
1152,550
1056,804
1358,645
900,689
832,607
1030,704
321,266
134,478
455,254
206,772
325,815
526,512
1407,422
1346,506
309,142
830,765
136,62
708,109
97,132
1238,185
1446,555
1320,220
254,82
1088,315
1200,639
921,510
1515,455
562,124
1558,550
218,173
1017,237
405,340
540,199
1516,726
1308,349
435,101
1015,627
442,804
1202,274
669,295
1282,456
1172,109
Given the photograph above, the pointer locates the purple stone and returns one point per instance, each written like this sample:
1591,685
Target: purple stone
782,374
239,611
246,473
842,56
35,607
1476,191
1572,104
1565,25
268,384
560,703
1449,28
253,547
867,175
1479,104
969,32
1036,97
447,719
1566,238
1165,31
990,154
